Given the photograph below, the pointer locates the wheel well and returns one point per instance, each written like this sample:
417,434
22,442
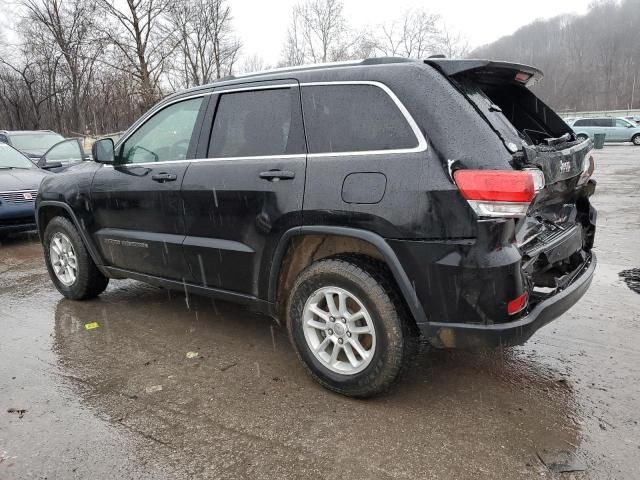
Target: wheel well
303,250
48,213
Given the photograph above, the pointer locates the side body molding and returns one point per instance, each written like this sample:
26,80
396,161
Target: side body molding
400,276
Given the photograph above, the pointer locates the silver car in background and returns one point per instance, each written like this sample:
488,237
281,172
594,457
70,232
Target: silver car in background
615,129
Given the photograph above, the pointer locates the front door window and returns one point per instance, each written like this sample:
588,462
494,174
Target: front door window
164,137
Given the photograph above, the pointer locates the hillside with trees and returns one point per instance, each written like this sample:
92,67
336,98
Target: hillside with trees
591,62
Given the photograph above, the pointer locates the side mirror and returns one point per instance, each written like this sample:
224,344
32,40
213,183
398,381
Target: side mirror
102,151
51,165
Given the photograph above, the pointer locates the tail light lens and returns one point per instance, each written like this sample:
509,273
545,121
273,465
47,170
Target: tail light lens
499,193
518,304
587,169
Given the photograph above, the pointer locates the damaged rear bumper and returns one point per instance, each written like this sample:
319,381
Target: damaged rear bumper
462,335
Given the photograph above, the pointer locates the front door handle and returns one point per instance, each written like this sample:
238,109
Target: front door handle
164,177
275,175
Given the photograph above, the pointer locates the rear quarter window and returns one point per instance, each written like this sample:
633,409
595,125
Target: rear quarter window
354,118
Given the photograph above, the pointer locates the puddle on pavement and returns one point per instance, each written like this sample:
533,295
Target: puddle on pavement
456,413
243,407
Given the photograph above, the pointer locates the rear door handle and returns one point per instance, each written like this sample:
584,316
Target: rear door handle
164,177
275,175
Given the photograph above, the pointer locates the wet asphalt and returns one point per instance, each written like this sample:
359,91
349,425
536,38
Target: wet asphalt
123,400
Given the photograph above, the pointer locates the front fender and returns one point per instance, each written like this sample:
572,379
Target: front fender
43,206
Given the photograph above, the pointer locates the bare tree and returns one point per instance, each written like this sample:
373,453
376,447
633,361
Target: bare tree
68,26
450,44
318,33
206,47
252,63
414,35
136,32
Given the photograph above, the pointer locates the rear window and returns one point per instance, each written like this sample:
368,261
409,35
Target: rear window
354,118
257,123
515,112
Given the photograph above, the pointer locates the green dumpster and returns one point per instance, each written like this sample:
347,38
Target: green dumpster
598,140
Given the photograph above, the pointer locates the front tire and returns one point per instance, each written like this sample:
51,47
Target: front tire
636,139
70,266
349,327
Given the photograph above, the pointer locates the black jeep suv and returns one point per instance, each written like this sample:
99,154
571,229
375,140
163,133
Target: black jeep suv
363,204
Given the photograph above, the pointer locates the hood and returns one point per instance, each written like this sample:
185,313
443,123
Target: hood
21,179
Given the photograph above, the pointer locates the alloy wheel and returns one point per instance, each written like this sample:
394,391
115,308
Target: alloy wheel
63,259
339,330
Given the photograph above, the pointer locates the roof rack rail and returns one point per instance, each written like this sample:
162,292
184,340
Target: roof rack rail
224,79
386,60
313,66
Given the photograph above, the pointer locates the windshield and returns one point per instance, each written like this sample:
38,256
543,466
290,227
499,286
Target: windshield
36,141
11,158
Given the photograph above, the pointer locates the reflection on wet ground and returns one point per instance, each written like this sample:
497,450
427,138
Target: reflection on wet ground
632,278
162,390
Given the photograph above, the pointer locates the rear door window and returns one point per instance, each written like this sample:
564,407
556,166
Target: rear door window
264,122
354,118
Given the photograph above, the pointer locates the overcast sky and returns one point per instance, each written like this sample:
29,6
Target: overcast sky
262,24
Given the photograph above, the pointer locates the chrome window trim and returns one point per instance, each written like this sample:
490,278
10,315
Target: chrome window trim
158,108
421,147
220,90
217,159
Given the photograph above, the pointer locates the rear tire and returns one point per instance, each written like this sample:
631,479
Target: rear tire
369,329
636,139
70,266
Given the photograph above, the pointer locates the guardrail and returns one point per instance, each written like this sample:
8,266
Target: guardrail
602,113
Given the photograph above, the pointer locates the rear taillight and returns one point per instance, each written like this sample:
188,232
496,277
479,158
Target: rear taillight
587,169
499,193
518,304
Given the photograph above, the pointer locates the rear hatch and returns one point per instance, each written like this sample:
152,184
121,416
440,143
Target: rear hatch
556,234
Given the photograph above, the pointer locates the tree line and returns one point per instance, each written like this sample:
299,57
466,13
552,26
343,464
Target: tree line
591,62
94,66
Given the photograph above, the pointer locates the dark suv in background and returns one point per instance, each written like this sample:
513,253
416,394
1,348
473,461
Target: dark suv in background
363,205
